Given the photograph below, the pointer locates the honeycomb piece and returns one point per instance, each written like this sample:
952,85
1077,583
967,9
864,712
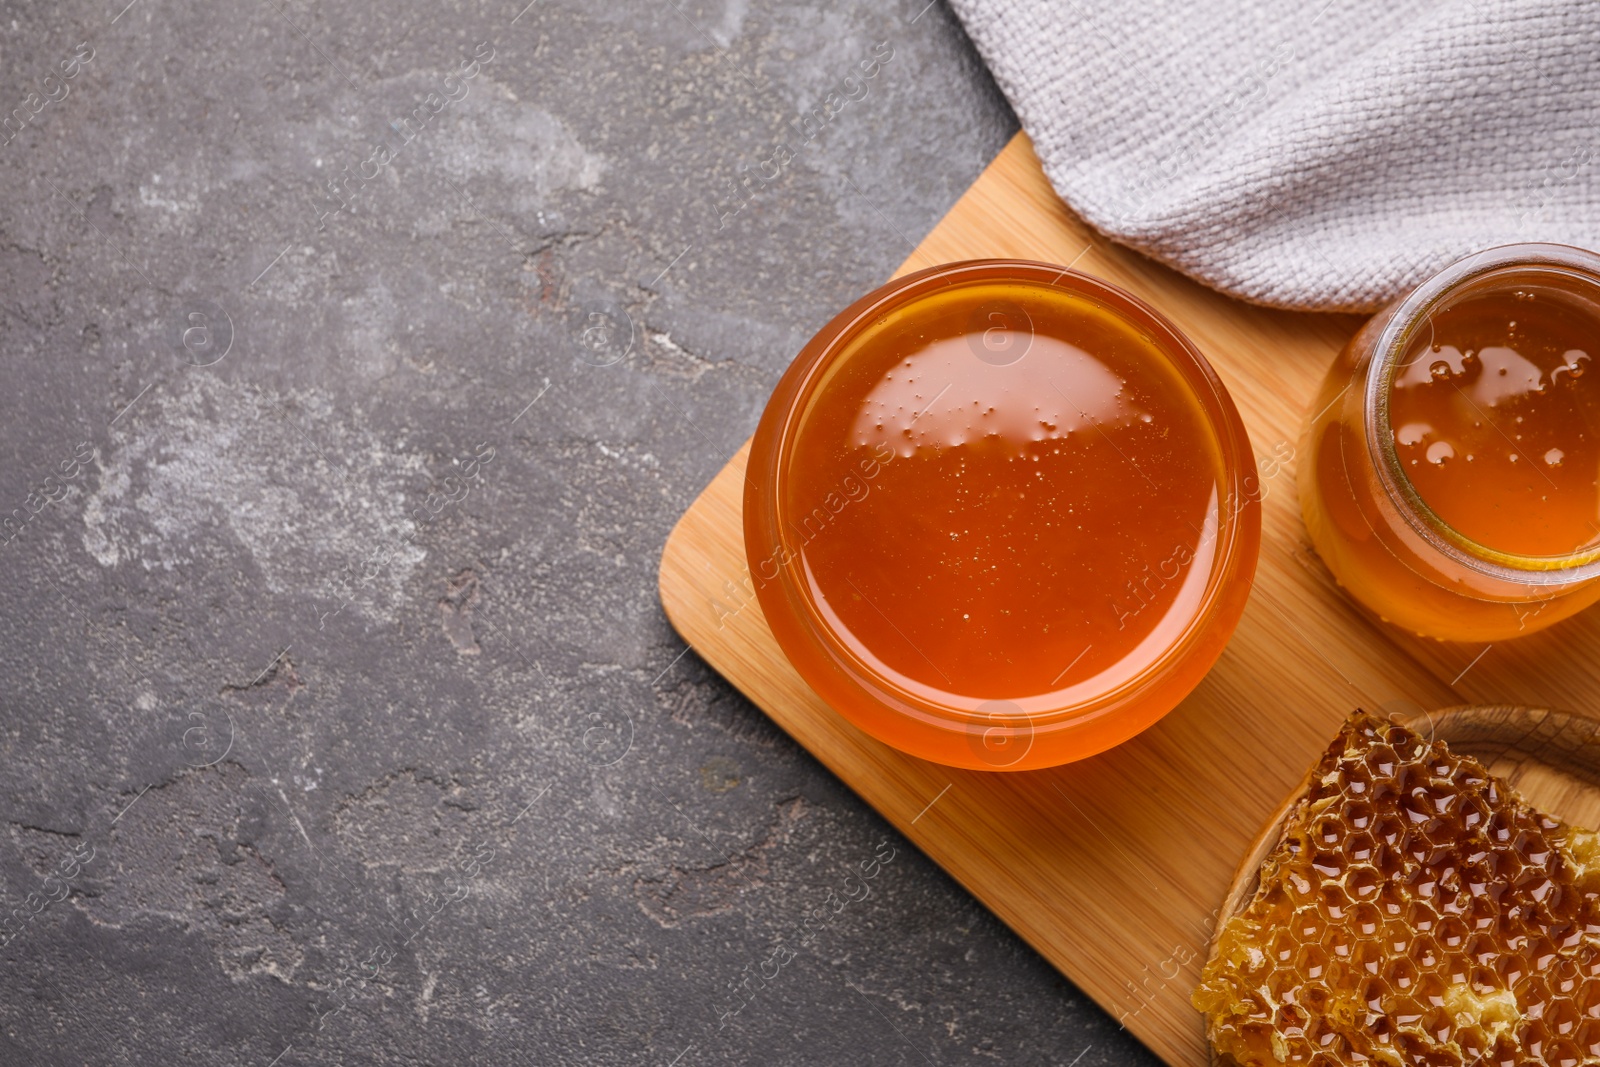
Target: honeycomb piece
1415,910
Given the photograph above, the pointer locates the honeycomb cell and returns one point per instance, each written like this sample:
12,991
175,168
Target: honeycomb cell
1425,950
1533,995
1421,917
1412,1048
1383,794
1402,975
1366,921
1427,888
1393,900
1339,942
1443,797
1363,883
1381,759
1367,957
1389,829
1485,914
1452,933
1589,916
1562,1053
1472,1043
1356,814
1416,806
1358,847
1483,948
1511,969
1535,885
1311,961
1532,848
1415,911
1334,902
1409,746
1323,1035
1532,1037
1298,887
1588,998
1541,953
1587,1037
1564,980
1562,906
1278,984
1437,1024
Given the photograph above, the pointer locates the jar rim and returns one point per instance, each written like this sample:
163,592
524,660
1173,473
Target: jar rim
1238,510
1406,322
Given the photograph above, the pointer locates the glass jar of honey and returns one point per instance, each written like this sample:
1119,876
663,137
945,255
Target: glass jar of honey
1001,515
1452,482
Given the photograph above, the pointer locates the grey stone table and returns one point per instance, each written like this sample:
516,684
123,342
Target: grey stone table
358,359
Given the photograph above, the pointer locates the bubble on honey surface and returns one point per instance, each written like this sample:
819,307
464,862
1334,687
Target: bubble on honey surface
1413,433
1507,376
1489,376
1415,910
1423,367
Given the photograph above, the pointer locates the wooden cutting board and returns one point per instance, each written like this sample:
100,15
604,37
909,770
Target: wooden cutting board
1113,868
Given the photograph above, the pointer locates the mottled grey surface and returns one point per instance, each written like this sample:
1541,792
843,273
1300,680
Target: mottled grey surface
342,723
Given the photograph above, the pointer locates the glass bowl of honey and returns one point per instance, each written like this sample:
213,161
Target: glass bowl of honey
1001,515
1453,484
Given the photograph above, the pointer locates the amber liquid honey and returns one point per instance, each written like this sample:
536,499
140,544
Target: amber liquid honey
1495,424
1498,426
1006,495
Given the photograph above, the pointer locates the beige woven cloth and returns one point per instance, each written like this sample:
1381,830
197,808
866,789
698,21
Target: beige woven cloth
1324,155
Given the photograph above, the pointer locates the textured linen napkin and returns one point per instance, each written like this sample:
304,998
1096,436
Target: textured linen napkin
1323,155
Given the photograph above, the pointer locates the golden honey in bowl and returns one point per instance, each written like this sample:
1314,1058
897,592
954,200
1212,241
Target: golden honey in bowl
1454,483
1001,515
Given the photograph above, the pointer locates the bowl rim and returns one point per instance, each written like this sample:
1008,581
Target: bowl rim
786,602
1505,265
